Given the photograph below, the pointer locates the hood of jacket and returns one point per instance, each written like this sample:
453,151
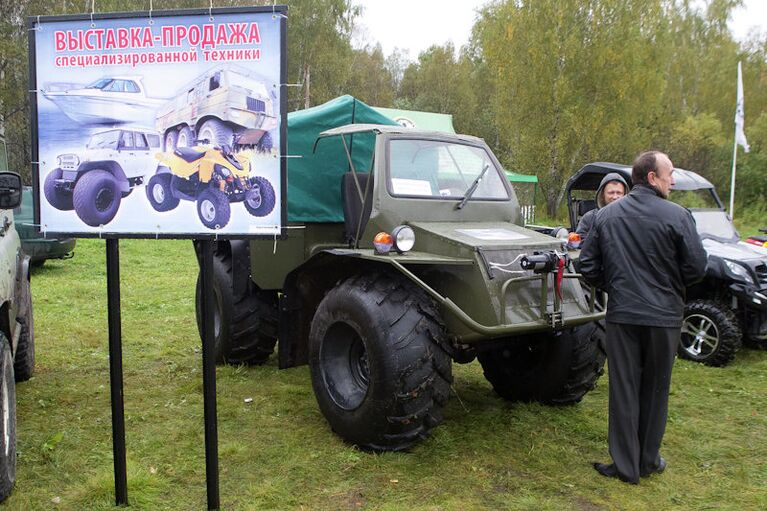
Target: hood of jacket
609,178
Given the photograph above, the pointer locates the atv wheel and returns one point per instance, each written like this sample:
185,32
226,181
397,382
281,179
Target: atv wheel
159,193
24,363
213,208
556,369
171,140
215,132
265,144
259,201
245,325
710,333
96,197
57,198
184,137
7,420
379,375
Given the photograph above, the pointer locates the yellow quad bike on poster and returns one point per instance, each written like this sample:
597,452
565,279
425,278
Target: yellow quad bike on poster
214,177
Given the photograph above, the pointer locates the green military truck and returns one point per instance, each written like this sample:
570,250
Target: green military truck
405,255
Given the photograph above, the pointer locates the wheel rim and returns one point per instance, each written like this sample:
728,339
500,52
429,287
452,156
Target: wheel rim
158,193
207,134
700,336
104,199
208,210
182,140
254,199
345,367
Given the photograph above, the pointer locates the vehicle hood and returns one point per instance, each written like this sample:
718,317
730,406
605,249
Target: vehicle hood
739,251
473,236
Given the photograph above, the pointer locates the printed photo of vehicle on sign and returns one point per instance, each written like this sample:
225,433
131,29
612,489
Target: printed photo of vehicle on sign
187,109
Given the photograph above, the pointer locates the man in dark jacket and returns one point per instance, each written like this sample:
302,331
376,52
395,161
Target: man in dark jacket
612,188
644,251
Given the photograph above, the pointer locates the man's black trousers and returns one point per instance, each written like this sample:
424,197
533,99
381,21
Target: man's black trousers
640,359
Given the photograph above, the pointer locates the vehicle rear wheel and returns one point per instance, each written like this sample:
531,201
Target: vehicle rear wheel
96,197
552,368
171,140
215,132
24,363
7,420
159,193
245,324
379,374
260,201
184,137
56,197
213,208
710,333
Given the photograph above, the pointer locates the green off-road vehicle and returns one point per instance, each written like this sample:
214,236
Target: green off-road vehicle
405,254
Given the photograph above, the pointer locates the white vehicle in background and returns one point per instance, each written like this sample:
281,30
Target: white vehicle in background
227,105
108,100
94,181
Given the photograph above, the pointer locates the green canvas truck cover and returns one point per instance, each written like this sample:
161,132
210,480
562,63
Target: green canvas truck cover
314,178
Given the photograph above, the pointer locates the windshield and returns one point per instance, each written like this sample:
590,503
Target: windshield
100,83
701,198
106,139
714,224
442,170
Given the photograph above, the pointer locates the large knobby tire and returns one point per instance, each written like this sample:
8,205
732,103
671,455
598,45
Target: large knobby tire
245,324
213,208
265,144
7,420
184,137
24,363
159,193
259,201
171,138
710,333
215,132
56,197
96,197
552,368
379,374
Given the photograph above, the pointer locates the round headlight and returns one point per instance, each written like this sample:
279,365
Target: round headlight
383,242
404,238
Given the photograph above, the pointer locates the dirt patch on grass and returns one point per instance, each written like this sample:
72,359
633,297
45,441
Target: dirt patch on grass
585,505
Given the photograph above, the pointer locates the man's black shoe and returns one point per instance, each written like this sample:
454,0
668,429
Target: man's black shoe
610,471
657,470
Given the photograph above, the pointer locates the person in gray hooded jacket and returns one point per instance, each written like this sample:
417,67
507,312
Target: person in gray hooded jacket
612,188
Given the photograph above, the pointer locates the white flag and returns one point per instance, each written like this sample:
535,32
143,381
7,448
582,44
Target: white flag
740,135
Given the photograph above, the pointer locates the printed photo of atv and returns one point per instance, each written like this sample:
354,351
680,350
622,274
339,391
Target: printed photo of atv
214,177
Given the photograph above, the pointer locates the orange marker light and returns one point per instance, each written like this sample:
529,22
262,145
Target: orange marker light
383,242
573,237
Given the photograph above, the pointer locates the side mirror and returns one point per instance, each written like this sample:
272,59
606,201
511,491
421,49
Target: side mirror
10,190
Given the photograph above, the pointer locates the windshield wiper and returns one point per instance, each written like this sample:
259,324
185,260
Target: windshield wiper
472,188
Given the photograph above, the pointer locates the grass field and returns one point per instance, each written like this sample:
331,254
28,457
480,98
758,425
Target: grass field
277,451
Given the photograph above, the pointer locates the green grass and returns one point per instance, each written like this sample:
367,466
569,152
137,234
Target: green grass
277,452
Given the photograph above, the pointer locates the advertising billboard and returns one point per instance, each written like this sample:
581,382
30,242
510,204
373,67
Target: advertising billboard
160,124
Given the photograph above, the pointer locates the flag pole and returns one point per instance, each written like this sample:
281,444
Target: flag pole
740,139
732,181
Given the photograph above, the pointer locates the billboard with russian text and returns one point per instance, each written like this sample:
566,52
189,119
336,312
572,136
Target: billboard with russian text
160,124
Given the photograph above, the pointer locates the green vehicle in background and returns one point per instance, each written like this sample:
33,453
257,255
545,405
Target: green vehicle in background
35,245
406,254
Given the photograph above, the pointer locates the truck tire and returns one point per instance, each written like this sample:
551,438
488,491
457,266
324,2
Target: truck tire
379,375
710,333
213,208
184,137
245,324
7,420
171,140
552,368
215,132
55,197
159,193
24,362
96,197
260,203
265,144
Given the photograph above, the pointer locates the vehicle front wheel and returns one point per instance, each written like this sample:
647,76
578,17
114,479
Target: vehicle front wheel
379,375
213,208
171,139
7,420
216,133
710,333
24,363
159,193
96,197
259,200
552,368
56,197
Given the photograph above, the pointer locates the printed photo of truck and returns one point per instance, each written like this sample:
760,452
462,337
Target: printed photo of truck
227,105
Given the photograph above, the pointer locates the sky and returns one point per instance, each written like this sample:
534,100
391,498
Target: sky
414,25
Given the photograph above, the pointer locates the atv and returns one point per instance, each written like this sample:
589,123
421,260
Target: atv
214,177
759,241
730,305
